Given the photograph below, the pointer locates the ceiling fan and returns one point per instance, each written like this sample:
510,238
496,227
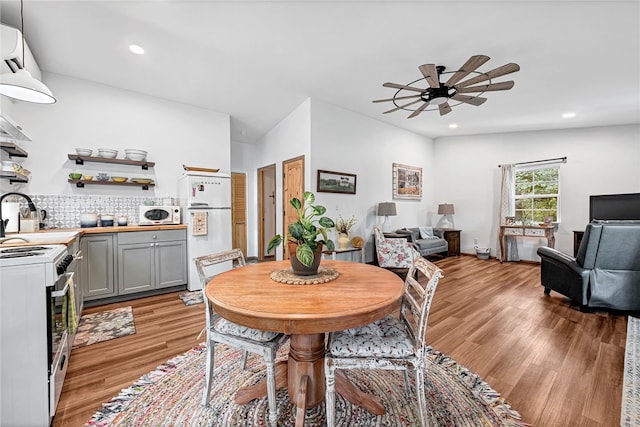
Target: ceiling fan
438,94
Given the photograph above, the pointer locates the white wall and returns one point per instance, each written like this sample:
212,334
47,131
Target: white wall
288,139
344,141
600,160
91,115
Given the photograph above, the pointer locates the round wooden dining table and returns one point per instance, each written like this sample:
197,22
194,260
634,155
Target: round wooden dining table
360,294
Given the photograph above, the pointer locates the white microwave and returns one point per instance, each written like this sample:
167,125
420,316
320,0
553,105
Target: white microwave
159,215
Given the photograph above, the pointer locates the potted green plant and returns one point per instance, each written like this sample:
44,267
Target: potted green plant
304,246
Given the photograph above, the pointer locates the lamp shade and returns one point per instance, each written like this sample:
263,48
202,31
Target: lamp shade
387,209
446,209
21,85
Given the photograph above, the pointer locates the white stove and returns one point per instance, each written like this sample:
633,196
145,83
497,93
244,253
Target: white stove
33,282
23,255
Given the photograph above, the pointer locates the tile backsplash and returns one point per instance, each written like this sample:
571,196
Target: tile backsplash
64,211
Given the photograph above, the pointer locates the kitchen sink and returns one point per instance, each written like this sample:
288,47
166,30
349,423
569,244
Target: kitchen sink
43,237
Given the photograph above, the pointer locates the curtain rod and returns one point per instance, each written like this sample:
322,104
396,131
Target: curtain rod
564,160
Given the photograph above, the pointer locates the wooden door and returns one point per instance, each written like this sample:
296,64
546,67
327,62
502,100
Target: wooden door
292,186
239,211
266,209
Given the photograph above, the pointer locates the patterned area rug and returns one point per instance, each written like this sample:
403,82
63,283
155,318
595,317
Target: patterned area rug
104,326
191,298
630,415
171,396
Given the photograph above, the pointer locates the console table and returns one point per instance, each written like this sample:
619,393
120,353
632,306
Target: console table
525,231
353,251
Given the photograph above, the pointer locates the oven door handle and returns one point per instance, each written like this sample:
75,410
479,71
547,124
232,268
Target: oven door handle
63,292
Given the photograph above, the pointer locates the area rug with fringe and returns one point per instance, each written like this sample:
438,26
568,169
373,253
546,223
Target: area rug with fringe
103,326
171,396
630,412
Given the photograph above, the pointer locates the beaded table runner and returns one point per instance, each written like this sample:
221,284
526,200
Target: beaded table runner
288,277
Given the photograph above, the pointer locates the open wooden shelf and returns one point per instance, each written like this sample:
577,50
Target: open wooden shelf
13,149
81,159
14,177
80,183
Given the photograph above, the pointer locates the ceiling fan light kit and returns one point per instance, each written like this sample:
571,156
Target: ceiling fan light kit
438,94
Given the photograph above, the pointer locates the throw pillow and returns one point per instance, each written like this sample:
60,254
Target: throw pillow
426,232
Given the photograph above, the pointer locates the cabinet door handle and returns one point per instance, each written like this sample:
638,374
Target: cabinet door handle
152,244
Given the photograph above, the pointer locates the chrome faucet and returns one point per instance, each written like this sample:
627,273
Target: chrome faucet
3,222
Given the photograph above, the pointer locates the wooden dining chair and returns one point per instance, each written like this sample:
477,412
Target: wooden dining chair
392,343
220,330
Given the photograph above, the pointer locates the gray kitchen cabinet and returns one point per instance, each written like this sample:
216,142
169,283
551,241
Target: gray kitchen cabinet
97,268
150,260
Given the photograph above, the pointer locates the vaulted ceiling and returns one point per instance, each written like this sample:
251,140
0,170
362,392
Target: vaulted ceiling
258,60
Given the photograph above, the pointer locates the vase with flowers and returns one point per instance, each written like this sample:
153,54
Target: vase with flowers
343,227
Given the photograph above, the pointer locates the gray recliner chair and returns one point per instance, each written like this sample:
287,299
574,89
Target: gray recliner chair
605,272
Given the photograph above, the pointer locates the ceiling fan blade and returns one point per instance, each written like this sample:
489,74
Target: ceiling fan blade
397,86
470,66
473,100
396,98
430,73
496,72
402,106
487,88
444,108
419,110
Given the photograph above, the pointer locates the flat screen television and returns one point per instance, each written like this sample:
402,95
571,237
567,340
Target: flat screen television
614,207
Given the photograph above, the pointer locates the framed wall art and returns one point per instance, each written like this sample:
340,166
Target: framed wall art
336,182
407,182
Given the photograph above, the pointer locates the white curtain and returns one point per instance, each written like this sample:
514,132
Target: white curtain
507,208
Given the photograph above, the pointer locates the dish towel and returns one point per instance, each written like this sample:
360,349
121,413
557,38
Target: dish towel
70,315
199,224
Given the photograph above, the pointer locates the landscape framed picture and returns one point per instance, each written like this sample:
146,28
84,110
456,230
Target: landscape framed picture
336,182
407,182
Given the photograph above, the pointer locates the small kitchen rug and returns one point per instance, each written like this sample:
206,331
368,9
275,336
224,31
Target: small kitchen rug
191,298
104,326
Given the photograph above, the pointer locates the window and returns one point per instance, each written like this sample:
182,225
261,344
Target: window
537,194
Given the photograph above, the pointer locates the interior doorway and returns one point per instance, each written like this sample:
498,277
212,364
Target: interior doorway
292,186
239,211
266,209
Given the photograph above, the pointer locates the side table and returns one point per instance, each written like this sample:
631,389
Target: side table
453,240
353,252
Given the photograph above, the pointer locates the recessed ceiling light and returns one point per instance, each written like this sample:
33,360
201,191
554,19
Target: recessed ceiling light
453,126
568,115
136,49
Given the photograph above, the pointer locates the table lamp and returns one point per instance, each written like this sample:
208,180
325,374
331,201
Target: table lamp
447,211
386,209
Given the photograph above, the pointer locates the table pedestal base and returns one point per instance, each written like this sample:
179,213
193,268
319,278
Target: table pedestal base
303,374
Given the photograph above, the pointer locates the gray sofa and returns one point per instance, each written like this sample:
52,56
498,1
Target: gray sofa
605,272
427,245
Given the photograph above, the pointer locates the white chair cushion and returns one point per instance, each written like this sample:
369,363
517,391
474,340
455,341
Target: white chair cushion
226,327
383,338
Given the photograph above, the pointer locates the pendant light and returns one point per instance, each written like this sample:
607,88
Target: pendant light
21,84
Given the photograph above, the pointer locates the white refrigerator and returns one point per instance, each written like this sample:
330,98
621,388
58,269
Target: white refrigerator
206,209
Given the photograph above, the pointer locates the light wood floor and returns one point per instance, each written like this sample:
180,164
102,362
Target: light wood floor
554,364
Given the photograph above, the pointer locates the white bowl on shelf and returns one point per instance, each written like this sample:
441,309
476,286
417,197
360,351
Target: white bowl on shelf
107,153
137,155
83,151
